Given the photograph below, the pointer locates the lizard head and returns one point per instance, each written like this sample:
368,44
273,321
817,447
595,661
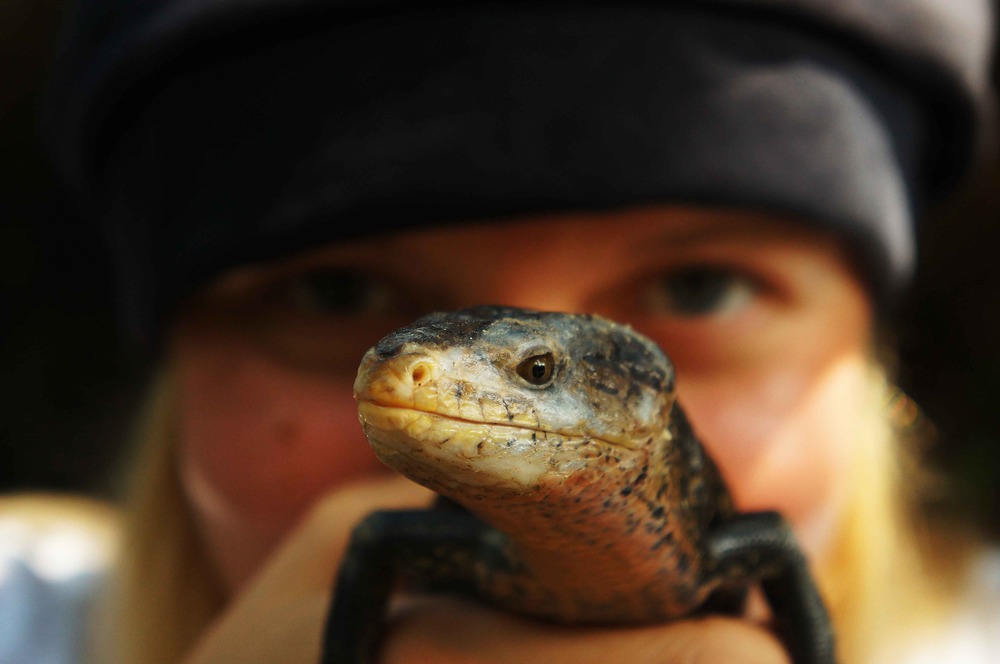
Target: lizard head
508,399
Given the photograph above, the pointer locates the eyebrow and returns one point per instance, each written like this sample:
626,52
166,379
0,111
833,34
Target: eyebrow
712,231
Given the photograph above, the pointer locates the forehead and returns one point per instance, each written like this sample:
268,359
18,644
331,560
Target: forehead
579,245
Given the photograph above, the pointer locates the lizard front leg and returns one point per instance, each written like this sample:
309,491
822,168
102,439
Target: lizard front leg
761,546
437,548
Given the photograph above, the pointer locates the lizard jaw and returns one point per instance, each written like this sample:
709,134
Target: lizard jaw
446,450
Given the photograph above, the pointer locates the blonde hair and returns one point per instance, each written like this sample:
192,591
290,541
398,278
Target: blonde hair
879,581
890,573
164,593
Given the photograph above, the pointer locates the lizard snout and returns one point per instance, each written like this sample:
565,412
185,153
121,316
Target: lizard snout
400,380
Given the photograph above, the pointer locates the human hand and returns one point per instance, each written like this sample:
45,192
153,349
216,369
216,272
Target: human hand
444,630
280,615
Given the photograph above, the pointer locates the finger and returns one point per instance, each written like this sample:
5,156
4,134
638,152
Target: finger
457,631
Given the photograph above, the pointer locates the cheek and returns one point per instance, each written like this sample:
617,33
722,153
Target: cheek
259,442
784,439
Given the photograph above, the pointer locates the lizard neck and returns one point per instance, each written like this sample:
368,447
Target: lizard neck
617,541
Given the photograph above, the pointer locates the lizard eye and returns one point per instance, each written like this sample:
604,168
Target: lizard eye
537,369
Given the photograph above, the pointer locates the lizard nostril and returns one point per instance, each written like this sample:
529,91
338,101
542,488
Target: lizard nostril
420,373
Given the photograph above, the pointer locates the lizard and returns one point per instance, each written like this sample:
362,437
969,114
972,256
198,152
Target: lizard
572,486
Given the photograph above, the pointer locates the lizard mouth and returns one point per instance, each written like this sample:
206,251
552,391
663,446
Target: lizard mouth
394,413
464,437
426,427
424,444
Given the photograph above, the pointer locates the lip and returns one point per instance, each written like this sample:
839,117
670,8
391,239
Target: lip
413,422
405,419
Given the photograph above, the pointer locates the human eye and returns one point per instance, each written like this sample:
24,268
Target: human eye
700,290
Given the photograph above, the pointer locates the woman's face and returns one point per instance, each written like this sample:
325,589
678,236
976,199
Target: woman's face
766,323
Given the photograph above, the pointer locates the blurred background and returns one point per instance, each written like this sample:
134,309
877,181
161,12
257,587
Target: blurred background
69,390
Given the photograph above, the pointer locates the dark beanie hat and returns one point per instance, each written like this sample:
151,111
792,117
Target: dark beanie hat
205,134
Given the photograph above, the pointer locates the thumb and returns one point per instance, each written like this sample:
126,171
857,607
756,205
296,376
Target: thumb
313,551
280,613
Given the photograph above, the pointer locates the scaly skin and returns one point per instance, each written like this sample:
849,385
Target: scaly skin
594,475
